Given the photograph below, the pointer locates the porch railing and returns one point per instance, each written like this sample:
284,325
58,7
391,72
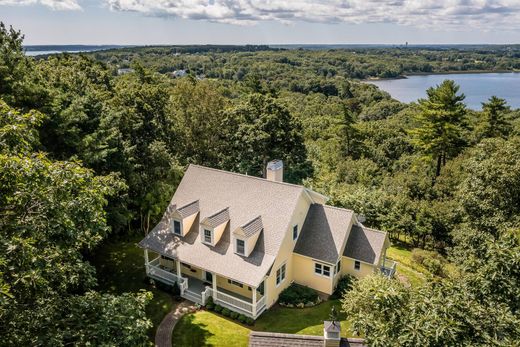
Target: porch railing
206,294
388,267
154,270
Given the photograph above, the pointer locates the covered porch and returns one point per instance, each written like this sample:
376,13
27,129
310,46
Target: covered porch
198,285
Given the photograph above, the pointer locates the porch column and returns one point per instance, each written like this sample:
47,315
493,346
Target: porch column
146,256
178,264
214,285
179,277
254,301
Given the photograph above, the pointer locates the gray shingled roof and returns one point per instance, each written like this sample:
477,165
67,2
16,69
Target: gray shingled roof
189,209
266,339
365,244
253,227
217,219
246,197
324,232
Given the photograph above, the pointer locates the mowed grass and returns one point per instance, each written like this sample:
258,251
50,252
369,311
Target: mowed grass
120,268
205,328
413,273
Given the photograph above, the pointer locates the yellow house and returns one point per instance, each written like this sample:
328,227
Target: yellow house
242,240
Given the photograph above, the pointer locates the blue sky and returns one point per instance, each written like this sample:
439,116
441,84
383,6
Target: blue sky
267,21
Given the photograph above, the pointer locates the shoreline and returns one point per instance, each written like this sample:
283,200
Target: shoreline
405,76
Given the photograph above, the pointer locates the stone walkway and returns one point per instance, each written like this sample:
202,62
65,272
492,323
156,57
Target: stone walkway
163,336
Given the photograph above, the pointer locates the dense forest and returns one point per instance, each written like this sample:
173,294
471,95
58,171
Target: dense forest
88,155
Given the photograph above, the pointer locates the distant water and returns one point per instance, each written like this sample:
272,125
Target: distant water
477,87
33,50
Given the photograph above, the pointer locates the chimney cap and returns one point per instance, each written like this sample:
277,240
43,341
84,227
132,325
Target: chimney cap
275,164
332,326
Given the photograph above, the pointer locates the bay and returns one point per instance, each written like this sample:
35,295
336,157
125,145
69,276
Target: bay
478,87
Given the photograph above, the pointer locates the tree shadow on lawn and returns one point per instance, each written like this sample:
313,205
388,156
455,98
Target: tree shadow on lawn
188,333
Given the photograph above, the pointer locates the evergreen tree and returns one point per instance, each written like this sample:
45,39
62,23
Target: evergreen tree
439,123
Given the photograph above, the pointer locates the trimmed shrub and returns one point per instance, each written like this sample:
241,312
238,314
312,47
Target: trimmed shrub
226,312
233,315
344,285
250,321
241,318
298,295
218,308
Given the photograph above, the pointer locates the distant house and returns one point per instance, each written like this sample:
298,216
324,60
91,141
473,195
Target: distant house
179,73
242,240
123,71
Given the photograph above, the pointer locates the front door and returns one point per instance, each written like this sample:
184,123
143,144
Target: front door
208,276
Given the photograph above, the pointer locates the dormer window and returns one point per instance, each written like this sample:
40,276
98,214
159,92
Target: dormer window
241,247
182,218
177,227
245,237
208,236
212,227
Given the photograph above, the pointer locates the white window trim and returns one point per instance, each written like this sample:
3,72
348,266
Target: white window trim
173,227
204,236
236,246
322,266
357,261
276,274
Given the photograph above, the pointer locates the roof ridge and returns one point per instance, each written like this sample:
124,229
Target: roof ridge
217,213
249,176
339,208
186,205
251,221
375,230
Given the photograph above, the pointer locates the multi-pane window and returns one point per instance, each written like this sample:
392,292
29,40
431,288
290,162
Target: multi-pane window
357,265
235,283
326,270
176,227
280,274
207,236
323,270
241,246
295,232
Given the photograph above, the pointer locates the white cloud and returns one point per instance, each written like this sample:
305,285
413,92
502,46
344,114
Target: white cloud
61,5
469,14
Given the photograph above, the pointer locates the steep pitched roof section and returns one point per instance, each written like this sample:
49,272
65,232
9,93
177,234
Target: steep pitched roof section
266,339
189,209
245,197
253,227
324,232
365,244
217,219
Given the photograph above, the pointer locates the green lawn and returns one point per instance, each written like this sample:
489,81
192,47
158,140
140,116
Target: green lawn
209,329
120,268
205,328
407,269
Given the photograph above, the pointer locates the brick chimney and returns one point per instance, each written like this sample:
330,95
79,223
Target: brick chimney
331,333
274,170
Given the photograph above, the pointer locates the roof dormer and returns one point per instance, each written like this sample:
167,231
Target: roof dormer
212,227
182,218
245,237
